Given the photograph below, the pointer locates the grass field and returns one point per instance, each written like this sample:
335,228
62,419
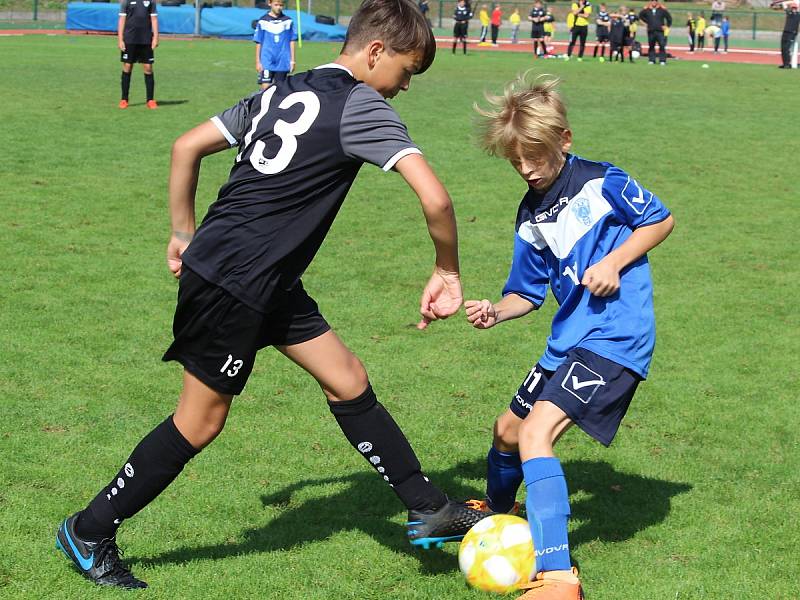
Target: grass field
697,498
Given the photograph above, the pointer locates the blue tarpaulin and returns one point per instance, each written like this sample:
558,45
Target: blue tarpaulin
220,21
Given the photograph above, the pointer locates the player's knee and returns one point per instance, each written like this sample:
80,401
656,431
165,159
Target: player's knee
536,437
351,381
506,432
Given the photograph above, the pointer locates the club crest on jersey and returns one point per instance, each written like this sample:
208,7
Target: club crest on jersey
582,211
582,382
635,196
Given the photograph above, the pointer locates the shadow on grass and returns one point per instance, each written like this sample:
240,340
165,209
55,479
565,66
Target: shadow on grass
613,506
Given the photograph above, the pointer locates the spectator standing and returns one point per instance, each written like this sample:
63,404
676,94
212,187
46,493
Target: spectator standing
137,38
461,17
515,20
275,38
726,32
717,8
483,15
581,11
713,33
700,32
691,26
496,21
790,27
657,19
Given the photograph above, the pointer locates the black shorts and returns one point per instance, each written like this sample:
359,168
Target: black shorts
460,29
217,336
594,392
272,76
137,53
537,31
602,37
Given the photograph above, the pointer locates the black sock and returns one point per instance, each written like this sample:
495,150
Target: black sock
464,45
152,466
370,429
454,47
126,85
595,52
150,86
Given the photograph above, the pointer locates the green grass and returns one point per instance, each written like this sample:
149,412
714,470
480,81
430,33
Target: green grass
698,496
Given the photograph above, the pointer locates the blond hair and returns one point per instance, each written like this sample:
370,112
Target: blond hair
529,116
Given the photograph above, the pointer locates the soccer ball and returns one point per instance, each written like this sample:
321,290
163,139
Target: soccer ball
497,555
635,53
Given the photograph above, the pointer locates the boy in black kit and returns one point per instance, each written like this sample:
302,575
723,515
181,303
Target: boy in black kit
301,143
461,17
602,23
137,38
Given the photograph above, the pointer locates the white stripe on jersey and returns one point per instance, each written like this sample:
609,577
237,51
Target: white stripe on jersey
275,27
224,131
393,161
582,212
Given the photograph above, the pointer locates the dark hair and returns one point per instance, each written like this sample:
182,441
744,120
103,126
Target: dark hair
399,24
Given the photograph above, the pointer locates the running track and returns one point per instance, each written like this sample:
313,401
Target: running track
755,56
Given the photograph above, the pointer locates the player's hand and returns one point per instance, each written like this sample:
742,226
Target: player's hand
441,297
601,279
175,249
154,43
481,313
259,68
291,66
121,45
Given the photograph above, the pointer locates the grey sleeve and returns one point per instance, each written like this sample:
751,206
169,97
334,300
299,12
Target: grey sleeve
371,131
231,122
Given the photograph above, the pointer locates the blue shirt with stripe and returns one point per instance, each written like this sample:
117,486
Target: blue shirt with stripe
590,210
275,35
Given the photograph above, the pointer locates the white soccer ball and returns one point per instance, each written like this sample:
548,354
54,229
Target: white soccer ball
497,554
635,53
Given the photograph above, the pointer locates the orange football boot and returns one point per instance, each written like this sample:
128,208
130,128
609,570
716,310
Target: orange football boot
152,104
553,585
123,104
483,506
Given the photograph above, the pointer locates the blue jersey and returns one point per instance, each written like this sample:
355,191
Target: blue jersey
590,210
275,34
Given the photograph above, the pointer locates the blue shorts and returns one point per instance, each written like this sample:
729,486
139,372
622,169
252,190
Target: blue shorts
594,392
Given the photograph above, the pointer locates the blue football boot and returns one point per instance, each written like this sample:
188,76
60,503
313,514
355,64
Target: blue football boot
98,561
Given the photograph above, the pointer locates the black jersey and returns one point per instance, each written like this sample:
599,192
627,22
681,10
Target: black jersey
138,27
462,14
301,144
603,21
618,29
538,13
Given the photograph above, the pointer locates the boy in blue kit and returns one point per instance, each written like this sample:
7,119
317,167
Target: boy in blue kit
584,229
275,36
301,144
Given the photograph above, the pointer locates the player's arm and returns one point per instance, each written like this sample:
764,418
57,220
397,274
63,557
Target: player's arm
259,67
292,62
482,314
154,25
442,296
187,152
602,278
121,31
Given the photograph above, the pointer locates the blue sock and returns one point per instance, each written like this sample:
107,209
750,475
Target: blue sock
548,512
503,477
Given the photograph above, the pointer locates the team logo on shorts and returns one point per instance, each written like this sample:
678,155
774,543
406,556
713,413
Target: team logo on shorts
582,382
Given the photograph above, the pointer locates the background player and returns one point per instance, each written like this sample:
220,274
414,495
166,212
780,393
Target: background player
537,18
602,24
461,17
549,31
301,144
275,38
584,228
618,33
137,38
